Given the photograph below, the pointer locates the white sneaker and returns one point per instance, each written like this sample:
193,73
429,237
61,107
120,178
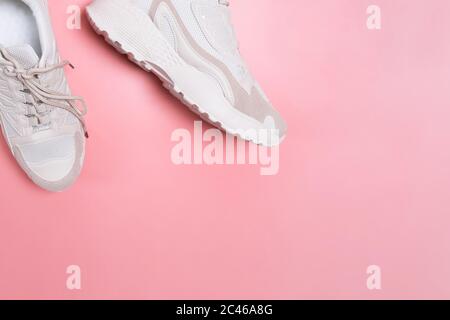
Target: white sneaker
39,117
191,46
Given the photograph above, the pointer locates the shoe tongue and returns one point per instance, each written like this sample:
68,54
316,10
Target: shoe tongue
24,55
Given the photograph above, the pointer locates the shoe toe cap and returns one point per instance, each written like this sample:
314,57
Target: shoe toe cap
260,108
53,164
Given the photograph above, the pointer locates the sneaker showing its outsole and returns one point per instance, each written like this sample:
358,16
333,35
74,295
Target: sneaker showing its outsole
131,32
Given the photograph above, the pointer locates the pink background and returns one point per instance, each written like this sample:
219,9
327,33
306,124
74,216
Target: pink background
364,175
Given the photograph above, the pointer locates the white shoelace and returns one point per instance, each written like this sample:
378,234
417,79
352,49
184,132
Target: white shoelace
40,93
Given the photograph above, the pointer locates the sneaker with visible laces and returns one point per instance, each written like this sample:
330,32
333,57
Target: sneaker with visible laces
40,119
191,46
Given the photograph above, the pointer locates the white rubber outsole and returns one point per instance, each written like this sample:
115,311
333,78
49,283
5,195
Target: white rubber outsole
133,34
